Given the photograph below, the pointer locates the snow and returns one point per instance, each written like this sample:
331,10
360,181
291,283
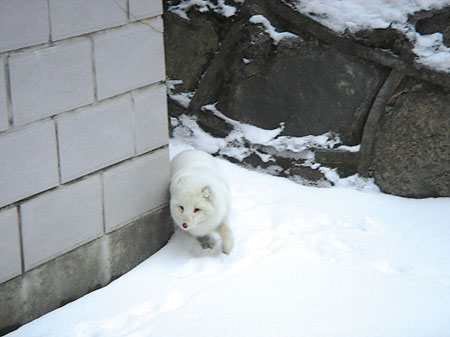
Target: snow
269,29
307,262
354,15
432,51
203,6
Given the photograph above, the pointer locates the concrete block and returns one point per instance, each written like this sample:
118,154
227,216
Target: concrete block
73,17
129,58
10,257
136,187
141,9
51,80
4,124
61,220
135,242
81,270
151,123
28,161
23,23
95,137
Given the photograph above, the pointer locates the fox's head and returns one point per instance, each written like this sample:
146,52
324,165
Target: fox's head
191,203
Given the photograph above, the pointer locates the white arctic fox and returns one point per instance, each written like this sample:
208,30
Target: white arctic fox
200,198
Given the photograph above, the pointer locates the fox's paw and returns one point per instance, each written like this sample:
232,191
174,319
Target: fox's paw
227,246
208,245
206,242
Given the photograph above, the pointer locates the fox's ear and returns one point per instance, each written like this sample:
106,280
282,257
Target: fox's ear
181,181
207,192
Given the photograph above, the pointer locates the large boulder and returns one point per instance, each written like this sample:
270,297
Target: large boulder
309,86
412,148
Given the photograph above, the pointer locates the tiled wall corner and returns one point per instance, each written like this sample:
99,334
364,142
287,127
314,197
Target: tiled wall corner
135,187
4,123
123,56
70,19
152,128
141,9
10,256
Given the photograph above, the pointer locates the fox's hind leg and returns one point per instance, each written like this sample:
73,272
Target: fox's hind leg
206,242
226,236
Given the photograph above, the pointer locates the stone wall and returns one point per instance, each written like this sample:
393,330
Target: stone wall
364,86
84,163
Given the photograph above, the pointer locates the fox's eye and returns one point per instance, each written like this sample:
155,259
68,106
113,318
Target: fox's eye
196,210
181,208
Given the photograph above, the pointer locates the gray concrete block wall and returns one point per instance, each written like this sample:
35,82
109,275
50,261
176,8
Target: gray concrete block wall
95,137
3,104
70,19
50,80
29,161
63,219
127,192
83,130
10,258
15,23
120,71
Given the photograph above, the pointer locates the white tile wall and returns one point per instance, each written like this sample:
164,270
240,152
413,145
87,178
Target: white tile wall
151,125
129,58
95,137
3,106
23,23
140,9
60,220
51,80
28,161
38,153
10,257
72,17
135,187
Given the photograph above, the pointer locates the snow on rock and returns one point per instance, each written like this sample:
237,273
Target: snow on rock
181,98
307,261
269,29
221,8
354,15
431,51
238,145
187,129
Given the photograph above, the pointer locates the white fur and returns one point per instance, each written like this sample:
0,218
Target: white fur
200,198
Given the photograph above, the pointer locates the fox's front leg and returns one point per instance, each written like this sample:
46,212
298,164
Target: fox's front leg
206,242
226,235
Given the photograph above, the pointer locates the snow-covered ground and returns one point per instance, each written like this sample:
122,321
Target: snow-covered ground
307,262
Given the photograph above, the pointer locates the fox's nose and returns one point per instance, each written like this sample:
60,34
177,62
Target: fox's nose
184,225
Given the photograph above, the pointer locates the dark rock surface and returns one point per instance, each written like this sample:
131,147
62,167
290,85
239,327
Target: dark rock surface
310,87
189,46
412,148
